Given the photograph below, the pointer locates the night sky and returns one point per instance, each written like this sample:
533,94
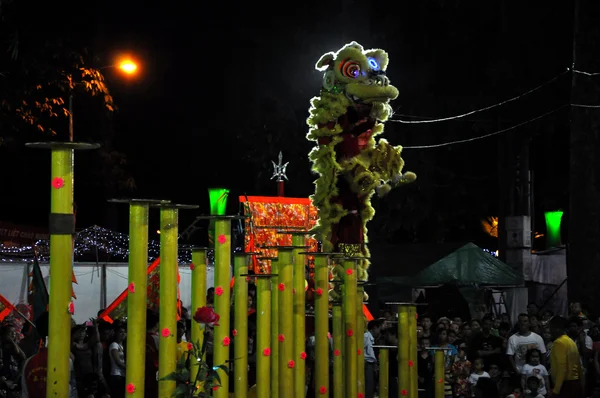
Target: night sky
224,87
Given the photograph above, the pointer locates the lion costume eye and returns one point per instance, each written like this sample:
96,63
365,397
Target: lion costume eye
350,69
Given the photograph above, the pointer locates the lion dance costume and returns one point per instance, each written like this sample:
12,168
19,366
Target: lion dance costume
344,121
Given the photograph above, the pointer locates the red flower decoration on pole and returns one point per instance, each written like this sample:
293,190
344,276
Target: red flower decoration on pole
319,291
361,395
215,388
207,316
293,290
410,363
222,239
291,364
349,271
234,332
165,332
336,353
281,287
130,388
226,341
190,346
58,182
247,279
359,351
218,290
302,355
281,338
440,381
404,392
267,352
71,308
323,390
192,266
350,333
131,287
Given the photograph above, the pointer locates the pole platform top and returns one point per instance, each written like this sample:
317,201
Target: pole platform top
139,201
354,258
175,206
261,275
403,304
224,217
246,253
388,347
323,254
282,247
438,349
263,258
78,146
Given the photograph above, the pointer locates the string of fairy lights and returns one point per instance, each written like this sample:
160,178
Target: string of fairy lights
93,242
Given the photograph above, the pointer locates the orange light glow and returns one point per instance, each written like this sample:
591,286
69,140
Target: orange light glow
128,67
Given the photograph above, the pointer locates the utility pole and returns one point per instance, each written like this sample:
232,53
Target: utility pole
583,251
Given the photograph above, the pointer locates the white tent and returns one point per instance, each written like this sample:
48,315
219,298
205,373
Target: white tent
14,284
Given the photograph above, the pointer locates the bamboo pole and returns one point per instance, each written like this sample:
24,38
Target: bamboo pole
338,348
321,325
403,348
198,299
222,300
360,332
240,361
439,372
299,241
384,372
349,309
167,348
275,328
62,228
263,336
413,352
287,362
136,300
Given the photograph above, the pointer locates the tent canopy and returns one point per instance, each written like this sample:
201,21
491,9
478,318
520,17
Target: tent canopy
468,265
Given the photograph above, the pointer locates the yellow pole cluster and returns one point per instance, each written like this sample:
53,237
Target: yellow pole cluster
263,337
338,349
287,362
350,331
275,328
198,299
299,313
240,355
439,372
321,324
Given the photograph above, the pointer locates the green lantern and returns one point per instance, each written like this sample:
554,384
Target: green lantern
218,207
553,222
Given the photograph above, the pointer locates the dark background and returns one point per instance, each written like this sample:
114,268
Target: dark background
223,87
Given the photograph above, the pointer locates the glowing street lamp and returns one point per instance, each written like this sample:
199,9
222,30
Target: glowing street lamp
128,66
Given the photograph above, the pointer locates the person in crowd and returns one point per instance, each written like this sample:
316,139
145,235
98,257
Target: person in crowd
460,372
11,357
373,332
35,369
534,367
522,341
425,369
478,372
116,351
151,367
566,369
485,345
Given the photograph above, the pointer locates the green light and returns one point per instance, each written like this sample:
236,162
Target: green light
553,221
218,201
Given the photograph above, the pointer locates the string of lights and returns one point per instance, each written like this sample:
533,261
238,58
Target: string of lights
586,73
90,241
444,119
481,137
585,106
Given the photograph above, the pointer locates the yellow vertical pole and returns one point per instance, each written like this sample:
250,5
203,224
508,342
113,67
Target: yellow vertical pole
321,324
349,308
61,268
360,332
62,228
222,300
338,348
240,296
198,299
136,300
403,348
439,373
275,328
287,362
413,390
299,241
167,348
263,337
384,372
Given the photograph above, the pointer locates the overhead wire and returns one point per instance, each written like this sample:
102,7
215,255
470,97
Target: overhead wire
481,137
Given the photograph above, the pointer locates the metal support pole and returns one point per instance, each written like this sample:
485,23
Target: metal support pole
360,332
275,328
198,299
240,296
299,240
263,336
384,372
338,349
439,371
403,348
287,362
413,390
62,228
